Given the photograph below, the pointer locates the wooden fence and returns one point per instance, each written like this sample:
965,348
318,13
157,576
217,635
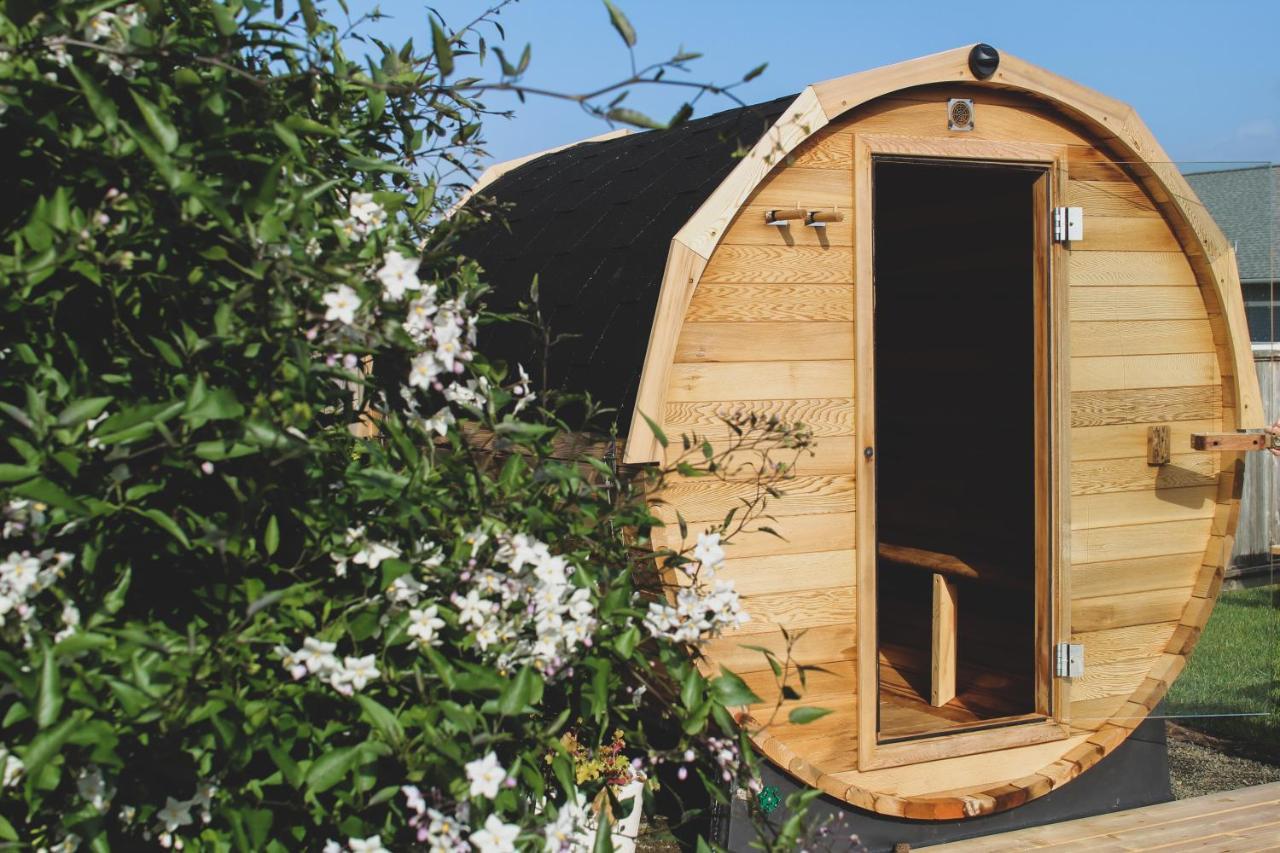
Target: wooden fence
1259,527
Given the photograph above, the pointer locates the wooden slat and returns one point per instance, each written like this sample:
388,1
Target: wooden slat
1108,544
1126,475
1126,234
1117,678
1120,611
823,417
816,646
1132,642
1129,268
805,188
992,121
804,533
1153,405
756,302
1110,198
1124,577
1125,440
824,150
711,499
790,264
780,573
828,455
1117,509
798,609
942,683
750,229
1087,163
765,341
770,380
1106,373
1137,303
1140,337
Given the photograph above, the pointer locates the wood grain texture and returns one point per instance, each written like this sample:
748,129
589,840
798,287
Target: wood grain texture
1108,544
711,499
1140,337
1120,611
832,454
1137,303
1130,475
1125,577
823,416
1152,405
764,341
1119,509
768,380
756,302
942,681
805,188
1106,373
797,610
750,229
993,121
782,573
789,264
1111,198
1119,441
1128,268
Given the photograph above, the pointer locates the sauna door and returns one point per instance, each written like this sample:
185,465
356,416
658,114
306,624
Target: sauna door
961,408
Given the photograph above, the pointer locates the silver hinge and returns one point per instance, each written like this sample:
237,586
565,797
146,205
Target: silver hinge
1070,660
1068,224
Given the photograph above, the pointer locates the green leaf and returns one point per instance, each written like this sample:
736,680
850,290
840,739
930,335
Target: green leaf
10,473
165,523
46,745
220,404
621,24
309,16
633,118
271,538
381,718
7,832
755,72
656,430
392,569
163,163
49,698
626,642
372,164
83,410
223,19
604,839
163,130
807,714
330,768
289,138
443,53
523,690
51,493
103,107
731,691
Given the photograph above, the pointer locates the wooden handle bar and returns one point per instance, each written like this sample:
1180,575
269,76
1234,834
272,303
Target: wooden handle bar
1234,441
824,216
783,215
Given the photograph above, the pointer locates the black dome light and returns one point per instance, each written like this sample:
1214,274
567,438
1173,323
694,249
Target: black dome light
983,60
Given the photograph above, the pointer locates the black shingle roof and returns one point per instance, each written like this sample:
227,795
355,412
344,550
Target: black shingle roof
594,222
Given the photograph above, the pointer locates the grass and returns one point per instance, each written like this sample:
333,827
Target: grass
1231,686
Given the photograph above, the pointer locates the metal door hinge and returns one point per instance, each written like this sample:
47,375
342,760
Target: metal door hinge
1070,660
1068,224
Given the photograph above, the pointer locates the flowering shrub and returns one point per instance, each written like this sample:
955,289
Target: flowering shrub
258,588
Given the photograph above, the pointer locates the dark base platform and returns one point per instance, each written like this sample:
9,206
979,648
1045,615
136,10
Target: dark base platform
1135,775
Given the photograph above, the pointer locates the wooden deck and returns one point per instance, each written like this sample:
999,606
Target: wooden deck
1236,821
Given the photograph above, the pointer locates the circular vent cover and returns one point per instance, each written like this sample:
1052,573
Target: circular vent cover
960,114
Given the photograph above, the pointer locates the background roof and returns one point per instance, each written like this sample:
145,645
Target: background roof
1244,204
594,222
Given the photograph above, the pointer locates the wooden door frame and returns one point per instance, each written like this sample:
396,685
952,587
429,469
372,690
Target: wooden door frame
1053,593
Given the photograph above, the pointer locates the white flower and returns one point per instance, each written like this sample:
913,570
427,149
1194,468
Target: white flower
13,770
367,211
708,552
350,228
374,553
359,671
175,813
420,321
440,421
566,834
93,789
332,846
423,370
100,26
472,609
486,776
423,625
19,572
398,274
342,304
372,844
317,655
496,837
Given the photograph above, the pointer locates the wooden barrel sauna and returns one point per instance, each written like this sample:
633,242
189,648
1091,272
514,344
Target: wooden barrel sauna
1004,547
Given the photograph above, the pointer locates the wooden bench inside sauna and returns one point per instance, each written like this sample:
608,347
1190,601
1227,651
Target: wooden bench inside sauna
1004,315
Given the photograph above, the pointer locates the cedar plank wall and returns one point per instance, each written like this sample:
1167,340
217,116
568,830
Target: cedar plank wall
770,328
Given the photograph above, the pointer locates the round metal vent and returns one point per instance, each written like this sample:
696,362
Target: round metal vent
960,114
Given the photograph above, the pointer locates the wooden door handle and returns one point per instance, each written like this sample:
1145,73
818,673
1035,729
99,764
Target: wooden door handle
1234,441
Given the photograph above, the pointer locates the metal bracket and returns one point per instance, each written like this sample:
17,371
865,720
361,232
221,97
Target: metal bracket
1070,660
1068,224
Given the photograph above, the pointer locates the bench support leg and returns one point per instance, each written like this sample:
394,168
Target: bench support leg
943,688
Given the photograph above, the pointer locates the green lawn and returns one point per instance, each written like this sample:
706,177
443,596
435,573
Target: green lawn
1231,686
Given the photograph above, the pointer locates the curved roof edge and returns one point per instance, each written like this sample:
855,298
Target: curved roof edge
1114,122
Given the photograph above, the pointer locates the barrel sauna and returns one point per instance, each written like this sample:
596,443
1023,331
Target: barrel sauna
1004,314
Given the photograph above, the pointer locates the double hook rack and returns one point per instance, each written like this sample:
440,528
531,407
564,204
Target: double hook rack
812,218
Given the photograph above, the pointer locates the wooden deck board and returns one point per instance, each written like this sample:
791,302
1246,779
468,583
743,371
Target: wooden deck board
1246,819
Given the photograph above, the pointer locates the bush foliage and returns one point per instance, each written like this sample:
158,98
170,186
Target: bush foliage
259,590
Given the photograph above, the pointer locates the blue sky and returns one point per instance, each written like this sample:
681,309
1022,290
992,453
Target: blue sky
1204,75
